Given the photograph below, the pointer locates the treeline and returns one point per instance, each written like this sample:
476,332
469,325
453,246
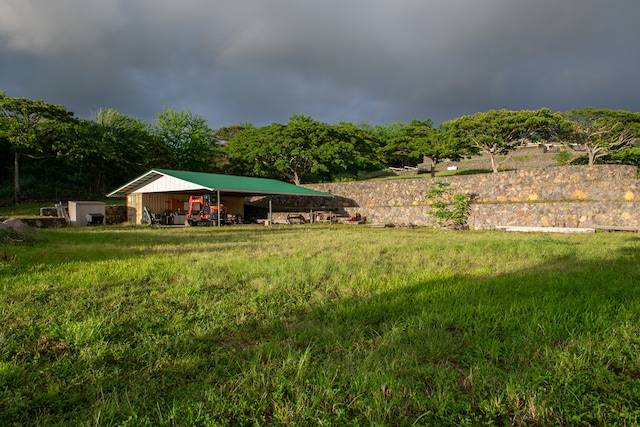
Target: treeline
48,154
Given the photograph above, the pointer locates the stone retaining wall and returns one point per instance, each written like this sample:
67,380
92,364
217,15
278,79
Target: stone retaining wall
557,183
486,216
559,214
45,222
571,196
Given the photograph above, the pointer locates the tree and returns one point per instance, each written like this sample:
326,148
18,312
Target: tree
405,143
442,145
189,139
394,145
434,145
303,148
119,147
600,133
33,129
499,132
226,133
419,140
353,150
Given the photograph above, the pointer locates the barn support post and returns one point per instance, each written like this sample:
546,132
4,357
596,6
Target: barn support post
218,199
270,212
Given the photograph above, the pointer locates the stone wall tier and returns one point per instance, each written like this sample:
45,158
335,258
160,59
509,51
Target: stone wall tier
600,182
559,214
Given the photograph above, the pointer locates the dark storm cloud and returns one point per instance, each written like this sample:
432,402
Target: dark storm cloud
376,61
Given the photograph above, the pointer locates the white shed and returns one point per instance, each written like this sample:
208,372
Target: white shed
85,213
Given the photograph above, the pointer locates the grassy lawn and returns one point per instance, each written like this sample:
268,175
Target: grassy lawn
440,173
31,210
319,325
25,210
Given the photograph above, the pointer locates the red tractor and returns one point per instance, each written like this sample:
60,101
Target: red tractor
203,211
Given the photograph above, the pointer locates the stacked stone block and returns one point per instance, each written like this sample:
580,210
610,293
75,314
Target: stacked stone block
568,196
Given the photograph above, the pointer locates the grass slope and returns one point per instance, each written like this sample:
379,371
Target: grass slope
319,325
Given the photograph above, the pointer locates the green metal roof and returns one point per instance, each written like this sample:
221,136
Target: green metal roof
229,184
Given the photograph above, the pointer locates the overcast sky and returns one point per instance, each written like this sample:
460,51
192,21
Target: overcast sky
372,61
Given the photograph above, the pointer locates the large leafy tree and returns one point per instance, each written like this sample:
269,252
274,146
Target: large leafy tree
405,144
602,133
353,150
303,148
441,145
499,132
393,144
34,129
420,141
434,145
226,133
120,147
189,139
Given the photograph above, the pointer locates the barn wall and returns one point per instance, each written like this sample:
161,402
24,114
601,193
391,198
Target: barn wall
134,208
234,204
162,203
156,202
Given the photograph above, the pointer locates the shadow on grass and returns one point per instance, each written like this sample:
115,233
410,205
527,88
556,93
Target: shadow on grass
536,347
552,344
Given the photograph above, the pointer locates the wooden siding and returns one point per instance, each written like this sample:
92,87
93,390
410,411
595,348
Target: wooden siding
134,208
234,204
161,203
157,203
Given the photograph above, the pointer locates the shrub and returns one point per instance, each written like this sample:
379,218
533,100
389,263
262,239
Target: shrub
563,157
451,211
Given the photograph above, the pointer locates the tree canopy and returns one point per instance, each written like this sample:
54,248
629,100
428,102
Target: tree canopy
499,132
302,148
48,153
119,146
34,129
189,138
601,133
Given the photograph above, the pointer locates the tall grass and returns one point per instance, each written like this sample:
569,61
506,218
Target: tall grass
319,325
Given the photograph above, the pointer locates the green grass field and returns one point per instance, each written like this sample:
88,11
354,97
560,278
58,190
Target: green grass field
318,325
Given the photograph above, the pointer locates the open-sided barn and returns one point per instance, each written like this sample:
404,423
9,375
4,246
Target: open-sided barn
166,192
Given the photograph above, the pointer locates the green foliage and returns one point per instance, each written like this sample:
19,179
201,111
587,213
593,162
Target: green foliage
321,325
451,211
48,155
628,156
34,129
303,149
418,141
405,144
120,147
189,139
602,133
499,132
29,125
564,157
228,132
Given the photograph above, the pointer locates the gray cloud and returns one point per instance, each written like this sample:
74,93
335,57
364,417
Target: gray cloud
376,61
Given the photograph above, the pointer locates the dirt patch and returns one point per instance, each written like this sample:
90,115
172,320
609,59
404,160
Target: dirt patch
18,225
